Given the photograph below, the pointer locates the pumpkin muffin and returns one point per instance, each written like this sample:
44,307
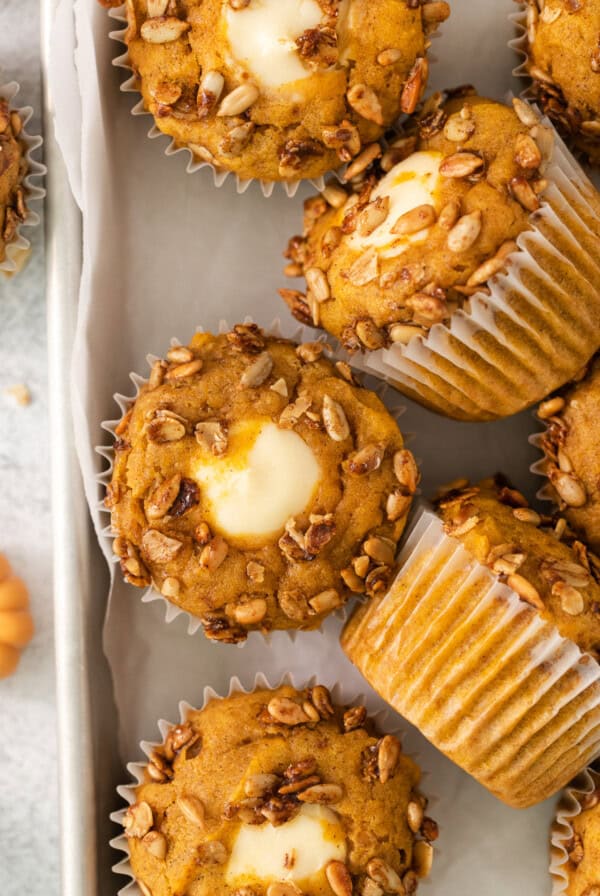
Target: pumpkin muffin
562,44
13,169
576,840
489,641
278,793
571,446
410,257
279,90
257,485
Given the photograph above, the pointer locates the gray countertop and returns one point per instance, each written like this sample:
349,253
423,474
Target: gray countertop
28,788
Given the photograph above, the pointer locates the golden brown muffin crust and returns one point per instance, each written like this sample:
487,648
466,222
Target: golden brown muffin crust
490,180
13,167
547,566
343,542
563,38
304,128
189,810
571,445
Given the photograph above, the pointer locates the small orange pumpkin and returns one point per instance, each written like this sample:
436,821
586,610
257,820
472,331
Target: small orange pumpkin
16,624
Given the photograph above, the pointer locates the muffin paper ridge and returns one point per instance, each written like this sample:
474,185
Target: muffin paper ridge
569,807
126,792
17,251
455,368
519,699
298,334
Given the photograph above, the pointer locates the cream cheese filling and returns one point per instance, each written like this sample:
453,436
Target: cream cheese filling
295,851
262,38
266,476
411,183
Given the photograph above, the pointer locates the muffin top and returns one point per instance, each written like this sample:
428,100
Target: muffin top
423,225
279,793
563,39
584,848
257,485
13,168
544,564
279,89
570,445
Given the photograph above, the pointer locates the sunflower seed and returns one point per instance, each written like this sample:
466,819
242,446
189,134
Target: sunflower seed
465,232
138,820
413,86
365,269
404,333
163,30
283,889
365,103
335,195
414,816
422,858
569,487
406,470
450,214
381,550
352,581
434,12
159,548
180,371
180,354
163,497
280,386
369,334
239,100
527,515
286,711
525,590
571,600
527,153
388,757
192,809
372,215
361,162
325,601
165,426
365,460
335,420
458,129
415,220
339,878
397,505
318,284
259,371
156,844
389,56
493,265
251,612
524,194
214,553
170,587
212,435
325,794
384,875
461,164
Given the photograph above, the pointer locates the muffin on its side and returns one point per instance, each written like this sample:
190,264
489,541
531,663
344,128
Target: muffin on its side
571,446
415,262
279,793
489,642
13,169
279,90
575,863
257,485
563,60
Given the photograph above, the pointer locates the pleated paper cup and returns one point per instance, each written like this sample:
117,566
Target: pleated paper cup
152,594
381,719
481,674
193,164
19,249
540,324
573,802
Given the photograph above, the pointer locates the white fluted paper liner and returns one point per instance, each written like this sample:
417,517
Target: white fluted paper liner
380,718
17,251
546,491
569,807
194,164
503,352
481,674
172,611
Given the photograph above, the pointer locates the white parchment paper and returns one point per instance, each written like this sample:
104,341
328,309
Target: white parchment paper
165,251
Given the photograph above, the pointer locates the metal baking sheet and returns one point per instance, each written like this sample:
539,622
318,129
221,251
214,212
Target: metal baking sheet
177,253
